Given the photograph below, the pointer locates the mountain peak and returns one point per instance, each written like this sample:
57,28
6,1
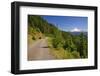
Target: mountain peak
76,30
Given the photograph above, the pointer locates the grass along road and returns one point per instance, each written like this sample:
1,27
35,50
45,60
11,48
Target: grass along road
39,50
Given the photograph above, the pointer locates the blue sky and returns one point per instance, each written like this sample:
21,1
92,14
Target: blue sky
69,23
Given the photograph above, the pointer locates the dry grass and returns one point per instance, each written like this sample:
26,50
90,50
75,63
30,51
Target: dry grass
30,40
61,54
64,54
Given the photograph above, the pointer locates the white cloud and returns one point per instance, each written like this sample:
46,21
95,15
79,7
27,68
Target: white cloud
75,30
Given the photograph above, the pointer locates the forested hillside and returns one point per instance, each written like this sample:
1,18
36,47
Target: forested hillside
63,45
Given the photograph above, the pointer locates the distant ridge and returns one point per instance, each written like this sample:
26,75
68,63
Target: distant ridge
78,33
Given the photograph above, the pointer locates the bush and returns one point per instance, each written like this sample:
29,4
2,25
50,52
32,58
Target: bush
65,45
33,38
64,54
57,43
76,54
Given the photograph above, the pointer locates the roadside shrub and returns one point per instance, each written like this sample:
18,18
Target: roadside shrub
33,38
57,43
75,54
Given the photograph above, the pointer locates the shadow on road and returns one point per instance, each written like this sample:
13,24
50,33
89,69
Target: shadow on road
45,47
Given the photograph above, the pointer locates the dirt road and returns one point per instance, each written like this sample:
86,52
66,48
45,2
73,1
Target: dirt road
39,50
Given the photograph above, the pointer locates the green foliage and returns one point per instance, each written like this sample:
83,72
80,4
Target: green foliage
57,41
62,54
81,41
40,23
75,54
